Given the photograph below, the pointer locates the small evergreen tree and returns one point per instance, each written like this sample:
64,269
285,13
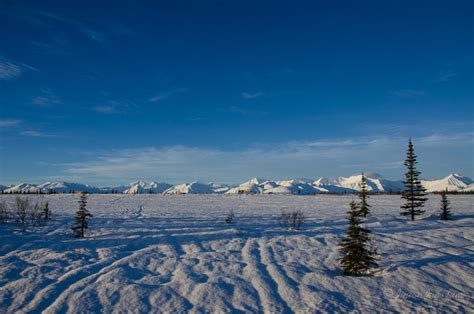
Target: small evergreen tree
445,206
46,212
358,257
414,192
82,216
364,208
230,217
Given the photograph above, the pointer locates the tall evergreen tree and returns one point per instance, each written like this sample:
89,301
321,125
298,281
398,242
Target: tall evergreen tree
445,206
46,211
82,216
358,257
364,208
414,192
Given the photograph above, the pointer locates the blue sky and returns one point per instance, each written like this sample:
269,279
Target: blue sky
105,93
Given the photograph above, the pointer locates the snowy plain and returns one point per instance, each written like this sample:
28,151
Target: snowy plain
174,253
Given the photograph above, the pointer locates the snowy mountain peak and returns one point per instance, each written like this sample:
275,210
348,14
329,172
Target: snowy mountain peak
453,182
322,181
459,177
256,180
139,183
191,188
144,187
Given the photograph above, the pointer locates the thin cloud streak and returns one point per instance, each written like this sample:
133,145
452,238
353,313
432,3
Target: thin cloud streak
408,93
7,123
86,30
247,95
46,99
114,106
32,133
10,69
167,94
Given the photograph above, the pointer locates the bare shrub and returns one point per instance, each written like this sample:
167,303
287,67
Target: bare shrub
22,209
292,220
4,212
27,213
35,213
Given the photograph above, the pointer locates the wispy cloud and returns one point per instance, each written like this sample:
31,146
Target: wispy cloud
286,160
10,69
408,93
47,98
105,109
83,28
8,123
167,94
446,75
247,95
245,112
32,133
22,128
114,106
98,31
56,45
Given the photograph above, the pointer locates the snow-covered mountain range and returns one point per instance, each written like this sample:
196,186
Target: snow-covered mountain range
453,182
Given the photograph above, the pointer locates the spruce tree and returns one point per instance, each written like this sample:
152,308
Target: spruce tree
358,257
82,216
414,192
364,208
230,217
445,206
46,211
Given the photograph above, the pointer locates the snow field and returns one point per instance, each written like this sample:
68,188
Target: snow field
173,253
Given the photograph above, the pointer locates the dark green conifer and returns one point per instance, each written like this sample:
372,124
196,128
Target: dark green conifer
358,256
414,192
46,211
82,217
445,206
364,208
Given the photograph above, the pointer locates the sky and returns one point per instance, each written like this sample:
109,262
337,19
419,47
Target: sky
106,93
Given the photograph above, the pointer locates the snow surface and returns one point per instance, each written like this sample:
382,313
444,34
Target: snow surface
173,253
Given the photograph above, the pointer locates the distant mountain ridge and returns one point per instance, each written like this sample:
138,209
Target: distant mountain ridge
376,184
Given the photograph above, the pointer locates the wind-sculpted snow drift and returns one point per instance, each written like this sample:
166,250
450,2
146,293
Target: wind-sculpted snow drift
172,254
375,184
